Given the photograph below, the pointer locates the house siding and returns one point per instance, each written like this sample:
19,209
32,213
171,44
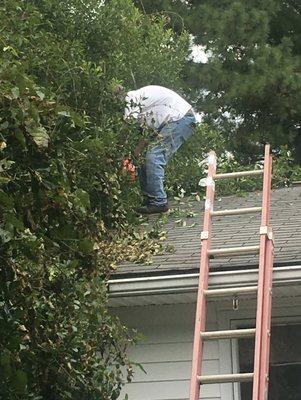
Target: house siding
165,352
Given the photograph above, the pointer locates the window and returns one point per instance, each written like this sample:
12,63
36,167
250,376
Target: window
285,363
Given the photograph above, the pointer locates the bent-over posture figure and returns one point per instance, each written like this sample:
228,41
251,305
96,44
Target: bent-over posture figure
173,118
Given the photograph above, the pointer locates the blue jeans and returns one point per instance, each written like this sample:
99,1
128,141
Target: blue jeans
151,173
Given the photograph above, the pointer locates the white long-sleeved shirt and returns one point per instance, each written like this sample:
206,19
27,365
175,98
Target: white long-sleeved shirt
155,106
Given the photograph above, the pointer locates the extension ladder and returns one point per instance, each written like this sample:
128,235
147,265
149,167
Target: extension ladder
260,375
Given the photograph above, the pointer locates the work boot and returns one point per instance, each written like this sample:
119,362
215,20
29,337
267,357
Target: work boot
153,209
145,202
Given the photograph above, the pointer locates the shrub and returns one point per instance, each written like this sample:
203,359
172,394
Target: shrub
63,201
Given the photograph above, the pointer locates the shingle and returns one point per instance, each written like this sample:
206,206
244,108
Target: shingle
230,231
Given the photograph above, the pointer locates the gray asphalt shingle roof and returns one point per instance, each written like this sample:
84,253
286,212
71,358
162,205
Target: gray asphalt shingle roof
229,231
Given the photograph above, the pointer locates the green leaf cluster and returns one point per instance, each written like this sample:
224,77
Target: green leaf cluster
65,204
189,166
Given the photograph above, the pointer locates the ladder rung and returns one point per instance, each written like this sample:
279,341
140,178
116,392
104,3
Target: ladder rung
245,377
237,211
238,174
229,334
234,250
230,291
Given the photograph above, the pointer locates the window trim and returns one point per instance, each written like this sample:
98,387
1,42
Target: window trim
228,349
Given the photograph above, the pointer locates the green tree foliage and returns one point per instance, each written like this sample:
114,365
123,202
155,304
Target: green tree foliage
254,71
251,86
62,139
189,166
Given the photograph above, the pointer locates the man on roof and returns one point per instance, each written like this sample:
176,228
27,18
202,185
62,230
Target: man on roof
168,114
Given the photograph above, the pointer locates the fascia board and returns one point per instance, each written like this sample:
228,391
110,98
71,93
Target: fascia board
185,283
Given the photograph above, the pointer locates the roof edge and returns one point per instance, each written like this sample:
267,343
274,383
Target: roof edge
185,283
171,272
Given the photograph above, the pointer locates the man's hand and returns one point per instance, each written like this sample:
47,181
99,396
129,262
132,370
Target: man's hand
129,168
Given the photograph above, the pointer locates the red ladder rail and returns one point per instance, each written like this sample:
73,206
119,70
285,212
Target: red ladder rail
200,321
264,295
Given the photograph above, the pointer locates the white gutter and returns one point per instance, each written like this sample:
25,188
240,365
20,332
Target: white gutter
185,283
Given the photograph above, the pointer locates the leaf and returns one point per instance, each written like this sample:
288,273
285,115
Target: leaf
23,328
40,94
5,165
81,200
14,221
4,125
20,137
5,363
20,381
39,135
6,200
4,180
15,92
96,246
64,231
64,113
85,246
140,366
11,49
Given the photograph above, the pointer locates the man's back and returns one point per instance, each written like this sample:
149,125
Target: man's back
155,105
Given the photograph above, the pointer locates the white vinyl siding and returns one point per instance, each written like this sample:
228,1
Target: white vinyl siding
166,352
166,349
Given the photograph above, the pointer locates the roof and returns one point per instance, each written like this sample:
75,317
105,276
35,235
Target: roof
228,231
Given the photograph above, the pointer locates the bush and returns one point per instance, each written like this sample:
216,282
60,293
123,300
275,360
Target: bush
188,165
63,201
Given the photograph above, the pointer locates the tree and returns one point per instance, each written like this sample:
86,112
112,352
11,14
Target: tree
254,71
63,200
251,85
